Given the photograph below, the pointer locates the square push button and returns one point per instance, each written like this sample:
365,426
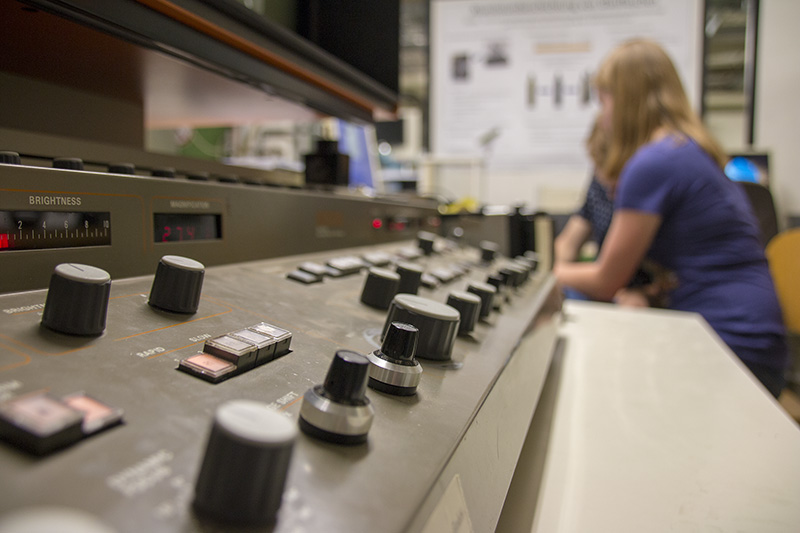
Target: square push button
264,343
283,338
97,415
208,367
240,352
39,423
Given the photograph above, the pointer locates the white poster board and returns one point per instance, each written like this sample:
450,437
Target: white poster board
511,80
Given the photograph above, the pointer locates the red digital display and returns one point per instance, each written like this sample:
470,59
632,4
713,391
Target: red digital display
179,227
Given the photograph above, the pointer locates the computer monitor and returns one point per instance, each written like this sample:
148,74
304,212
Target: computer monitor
751,167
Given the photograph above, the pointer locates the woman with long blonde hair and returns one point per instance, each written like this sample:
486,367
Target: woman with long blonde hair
675,206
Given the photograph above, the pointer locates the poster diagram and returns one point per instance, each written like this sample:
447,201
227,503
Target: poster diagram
512,81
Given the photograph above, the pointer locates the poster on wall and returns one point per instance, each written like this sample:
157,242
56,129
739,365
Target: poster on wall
511,81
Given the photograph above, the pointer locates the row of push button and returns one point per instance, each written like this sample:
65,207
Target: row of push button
233,353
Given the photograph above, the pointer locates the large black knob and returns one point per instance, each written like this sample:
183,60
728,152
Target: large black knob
339,410
437,324
177,285
77,300
410,277
68,163
468,306
10,158
486,293
394,369
244,469
165,172
425,240
122,168
380,287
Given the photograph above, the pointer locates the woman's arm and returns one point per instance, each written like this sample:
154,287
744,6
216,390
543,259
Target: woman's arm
568,243
629,237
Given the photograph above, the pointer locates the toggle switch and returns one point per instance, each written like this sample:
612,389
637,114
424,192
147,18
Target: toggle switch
245,465
339,410
77,300
394,368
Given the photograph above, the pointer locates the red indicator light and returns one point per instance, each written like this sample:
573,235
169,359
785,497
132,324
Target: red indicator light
377,223
3,240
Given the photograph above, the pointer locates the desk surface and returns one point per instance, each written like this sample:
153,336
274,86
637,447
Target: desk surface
659,427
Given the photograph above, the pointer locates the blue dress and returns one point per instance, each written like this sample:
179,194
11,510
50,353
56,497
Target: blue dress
709,238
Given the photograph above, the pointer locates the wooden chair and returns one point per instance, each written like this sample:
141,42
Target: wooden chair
783,254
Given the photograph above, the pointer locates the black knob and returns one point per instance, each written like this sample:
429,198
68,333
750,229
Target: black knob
122,168
410,278
246,462
166,172
506,277
517,273
400,342
346,380
489,251
339,410
77,300
533,257
10,158
198,176
486,293
468,306
177,284
394,369
68,163
425,240
380,287
437,324
495,280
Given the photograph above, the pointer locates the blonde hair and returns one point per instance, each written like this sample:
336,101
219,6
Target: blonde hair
597,144
647,95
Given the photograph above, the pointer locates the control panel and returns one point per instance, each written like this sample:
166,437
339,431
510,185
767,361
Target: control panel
179,354
158,415
52,212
